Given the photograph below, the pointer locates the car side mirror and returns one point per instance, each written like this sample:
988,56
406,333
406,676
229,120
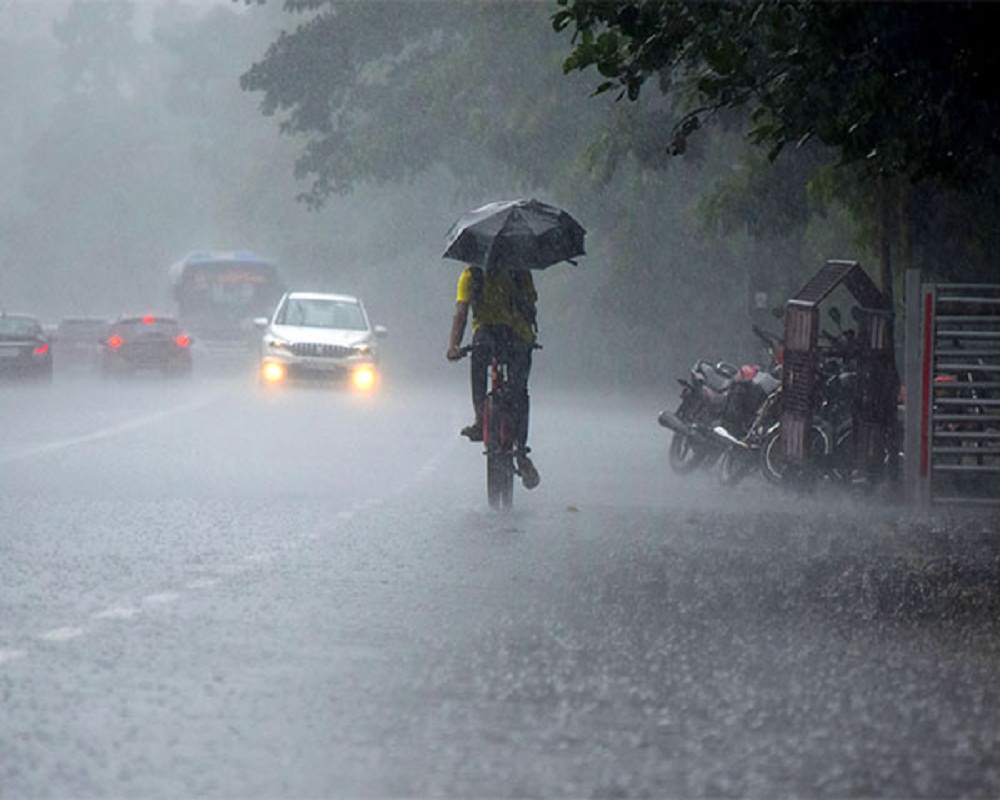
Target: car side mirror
260,322
380,331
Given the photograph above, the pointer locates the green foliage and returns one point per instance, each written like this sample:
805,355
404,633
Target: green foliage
380,92
895,88
98,50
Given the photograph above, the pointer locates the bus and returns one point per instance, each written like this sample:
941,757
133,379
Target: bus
219,293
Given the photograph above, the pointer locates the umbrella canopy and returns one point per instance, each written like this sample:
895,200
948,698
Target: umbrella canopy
515,234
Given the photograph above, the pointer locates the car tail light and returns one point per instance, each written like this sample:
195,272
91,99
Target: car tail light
182,340
42,349
148,320
114,341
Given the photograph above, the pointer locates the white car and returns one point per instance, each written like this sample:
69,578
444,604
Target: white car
314,336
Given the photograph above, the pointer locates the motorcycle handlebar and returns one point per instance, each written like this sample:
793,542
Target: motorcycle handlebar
770,339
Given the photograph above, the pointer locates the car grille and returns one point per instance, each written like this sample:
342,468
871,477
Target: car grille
311,350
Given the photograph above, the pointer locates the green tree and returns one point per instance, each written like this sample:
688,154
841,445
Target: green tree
379,93
902,92
382,92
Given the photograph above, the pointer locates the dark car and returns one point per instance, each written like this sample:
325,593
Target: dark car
24,348
76,343
148,342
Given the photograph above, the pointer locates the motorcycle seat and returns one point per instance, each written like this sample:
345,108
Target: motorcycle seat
716,376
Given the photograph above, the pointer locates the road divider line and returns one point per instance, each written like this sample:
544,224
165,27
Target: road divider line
11,655
105,433
161,598
260,559
62,634
118,612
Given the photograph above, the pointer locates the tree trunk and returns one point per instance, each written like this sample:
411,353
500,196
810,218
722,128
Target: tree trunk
894,232
883,206
904,229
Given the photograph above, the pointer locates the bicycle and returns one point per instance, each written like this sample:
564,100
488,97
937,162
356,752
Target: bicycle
500,429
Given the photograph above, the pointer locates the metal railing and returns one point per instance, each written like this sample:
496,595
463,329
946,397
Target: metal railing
952,436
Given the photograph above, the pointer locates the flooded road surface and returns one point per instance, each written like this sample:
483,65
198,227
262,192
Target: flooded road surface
209,590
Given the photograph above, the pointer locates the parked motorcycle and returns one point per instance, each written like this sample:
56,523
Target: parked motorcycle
719,402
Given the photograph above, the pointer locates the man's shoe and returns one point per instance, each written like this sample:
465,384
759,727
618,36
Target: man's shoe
529,475
473,432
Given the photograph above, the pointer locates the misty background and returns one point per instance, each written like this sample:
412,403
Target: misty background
129,142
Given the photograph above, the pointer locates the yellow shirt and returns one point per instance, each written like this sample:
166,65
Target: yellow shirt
498,305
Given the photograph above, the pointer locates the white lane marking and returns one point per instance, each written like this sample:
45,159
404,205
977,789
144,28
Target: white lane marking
118,612
161,598
104,433
11,655
67,633
61,634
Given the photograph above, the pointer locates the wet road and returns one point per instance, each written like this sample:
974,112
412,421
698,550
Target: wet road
210,591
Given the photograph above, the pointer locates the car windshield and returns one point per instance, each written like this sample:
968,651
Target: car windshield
322,313
19,328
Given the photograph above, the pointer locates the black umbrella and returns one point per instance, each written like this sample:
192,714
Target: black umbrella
515,234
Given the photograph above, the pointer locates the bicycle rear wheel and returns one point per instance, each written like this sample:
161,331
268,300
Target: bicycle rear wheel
499,456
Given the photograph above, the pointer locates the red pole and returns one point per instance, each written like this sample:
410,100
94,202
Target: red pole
928,384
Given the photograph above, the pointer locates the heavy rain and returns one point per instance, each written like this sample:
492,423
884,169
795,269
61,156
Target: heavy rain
246,549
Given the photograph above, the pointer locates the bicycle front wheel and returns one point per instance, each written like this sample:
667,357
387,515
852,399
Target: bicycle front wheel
499,455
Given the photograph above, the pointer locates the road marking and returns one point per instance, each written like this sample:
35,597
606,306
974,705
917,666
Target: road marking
161,598
62,634
104,433
118,612
67,633
11,655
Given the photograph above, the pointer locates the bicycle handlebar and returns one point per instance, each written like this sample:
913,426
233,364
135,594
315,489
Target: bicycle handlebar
465,350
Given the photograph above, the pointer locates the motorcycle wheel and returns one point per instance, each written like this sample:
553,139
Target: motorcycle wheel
736,465
684,456
773,463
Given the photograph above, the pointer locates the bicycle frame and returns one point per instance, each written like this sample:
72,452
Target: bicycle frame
499,433
500,430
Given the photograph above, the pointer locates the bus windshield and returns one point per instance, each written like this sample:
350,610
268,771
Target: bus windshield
219,294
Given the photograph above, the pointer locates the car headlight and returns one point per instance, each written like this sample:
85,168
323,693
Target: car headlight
272,372
363,349
276,343
364,377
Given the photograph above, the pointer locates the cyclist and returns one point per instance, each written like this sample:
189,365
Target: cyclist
503,319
